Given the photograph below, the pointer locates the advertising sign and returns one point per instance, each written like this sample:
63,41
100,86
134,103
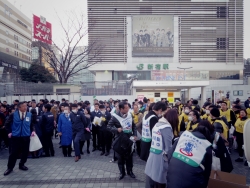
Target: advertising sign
140,97
179,75
153,35
42,29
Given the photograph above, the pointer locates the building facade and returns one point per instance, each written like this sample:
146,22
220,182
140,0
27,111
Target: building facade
15,40
162,41
84,75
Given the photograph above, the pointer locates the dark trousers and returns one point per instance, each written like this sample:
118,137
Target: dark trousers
239,140
82,144
128,160
106,140
96,135
48,145
18,144
67,150
4,137
152,184
138,147
76,139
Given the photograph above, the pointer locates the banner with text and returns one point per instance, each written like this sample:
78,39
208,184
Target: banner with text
42,29
179,75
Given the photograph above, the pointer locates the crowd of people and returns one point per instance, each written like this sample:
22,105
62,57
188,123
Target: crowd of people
176,141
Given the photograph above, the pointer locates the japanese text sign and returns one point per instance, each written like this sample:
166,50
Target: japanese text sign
42,29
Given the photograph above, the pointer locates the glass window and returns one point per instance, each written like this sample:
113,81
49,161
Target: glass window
124,75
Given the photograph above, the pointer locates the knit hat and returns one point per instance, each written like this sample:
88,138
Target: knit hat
215,112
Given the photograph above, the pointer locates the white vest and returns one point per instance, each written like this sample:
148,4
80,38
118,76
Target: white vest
191,149
126,123
156,144
146,134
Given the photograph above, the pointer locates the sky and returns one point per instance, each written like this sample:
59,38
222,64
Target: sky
51,8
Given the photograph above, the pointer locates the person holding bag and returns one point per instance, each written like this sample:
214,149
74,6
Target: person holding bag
123,126
35,139
65,132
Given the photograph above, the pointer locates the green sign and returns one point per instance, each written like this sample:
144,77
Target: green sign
152,66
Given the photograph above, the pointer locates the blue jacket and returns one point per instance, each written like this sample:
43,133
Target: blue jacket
47,122
65,127
20,128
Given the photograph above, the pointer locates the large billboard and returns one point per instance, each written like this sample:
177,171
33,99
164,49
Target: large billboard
42,29
153,36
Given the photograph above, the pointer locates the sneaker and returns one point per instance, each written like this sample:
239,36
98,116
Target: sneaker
239,160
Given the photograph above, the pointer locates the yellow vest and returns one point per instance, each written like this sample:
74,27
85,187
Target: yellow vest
248,112
184,117
228,104
135,117
226,114
239,125
225,128
206,117
193,126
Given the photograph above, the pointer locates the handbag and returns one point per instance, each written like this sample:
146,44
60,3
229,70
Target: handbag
35,143
216,164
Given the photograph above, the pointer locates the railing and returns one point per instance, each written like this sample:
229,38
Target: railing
15,88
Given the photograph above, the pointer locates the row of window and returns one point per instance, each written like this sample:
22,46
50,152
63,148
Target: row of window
22,48
22,41
23,56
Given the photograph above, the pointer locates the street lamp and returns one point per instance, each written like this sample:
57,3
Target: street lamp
184,71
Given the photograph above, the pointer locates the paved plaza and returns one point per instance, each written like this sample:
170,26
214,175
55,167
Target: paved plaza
92,170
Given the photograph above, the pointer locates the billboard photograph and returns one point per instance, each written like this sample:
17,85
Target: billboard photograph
153,35
42,29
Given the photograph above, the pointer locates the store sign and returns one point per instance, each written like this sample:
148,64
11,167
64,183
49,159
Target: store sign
179,75
152,67
4,64
42,29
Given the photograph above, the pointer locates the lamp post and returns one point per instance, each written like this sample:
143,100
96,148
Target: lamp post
184,71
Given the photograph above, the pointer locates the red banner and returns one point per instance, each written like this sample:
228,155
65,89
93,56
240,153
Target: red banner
42,29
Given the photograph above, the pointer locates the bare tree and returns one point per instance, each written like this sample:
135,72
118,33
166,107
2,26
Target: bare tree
73,57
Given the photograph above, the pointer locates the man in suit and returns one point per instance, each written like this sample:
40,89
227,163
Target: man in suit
96,127
18,127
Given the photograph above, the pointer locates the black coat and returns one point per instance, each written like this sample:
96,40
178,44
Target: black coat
47,123
87,135
114,124
182,175
222,153
107,117
78,121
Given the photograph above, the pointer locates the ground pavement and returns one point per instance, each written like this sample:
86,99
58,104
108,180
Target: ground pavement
92,170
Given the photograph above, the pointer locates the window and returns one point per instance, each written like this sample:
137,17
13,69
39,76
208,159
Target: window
222,43
7,33
238,93
7,50
222,12
157,94
7,41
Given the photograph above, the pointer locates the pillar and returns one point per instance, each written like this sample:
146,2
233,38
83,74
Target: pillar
203,95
